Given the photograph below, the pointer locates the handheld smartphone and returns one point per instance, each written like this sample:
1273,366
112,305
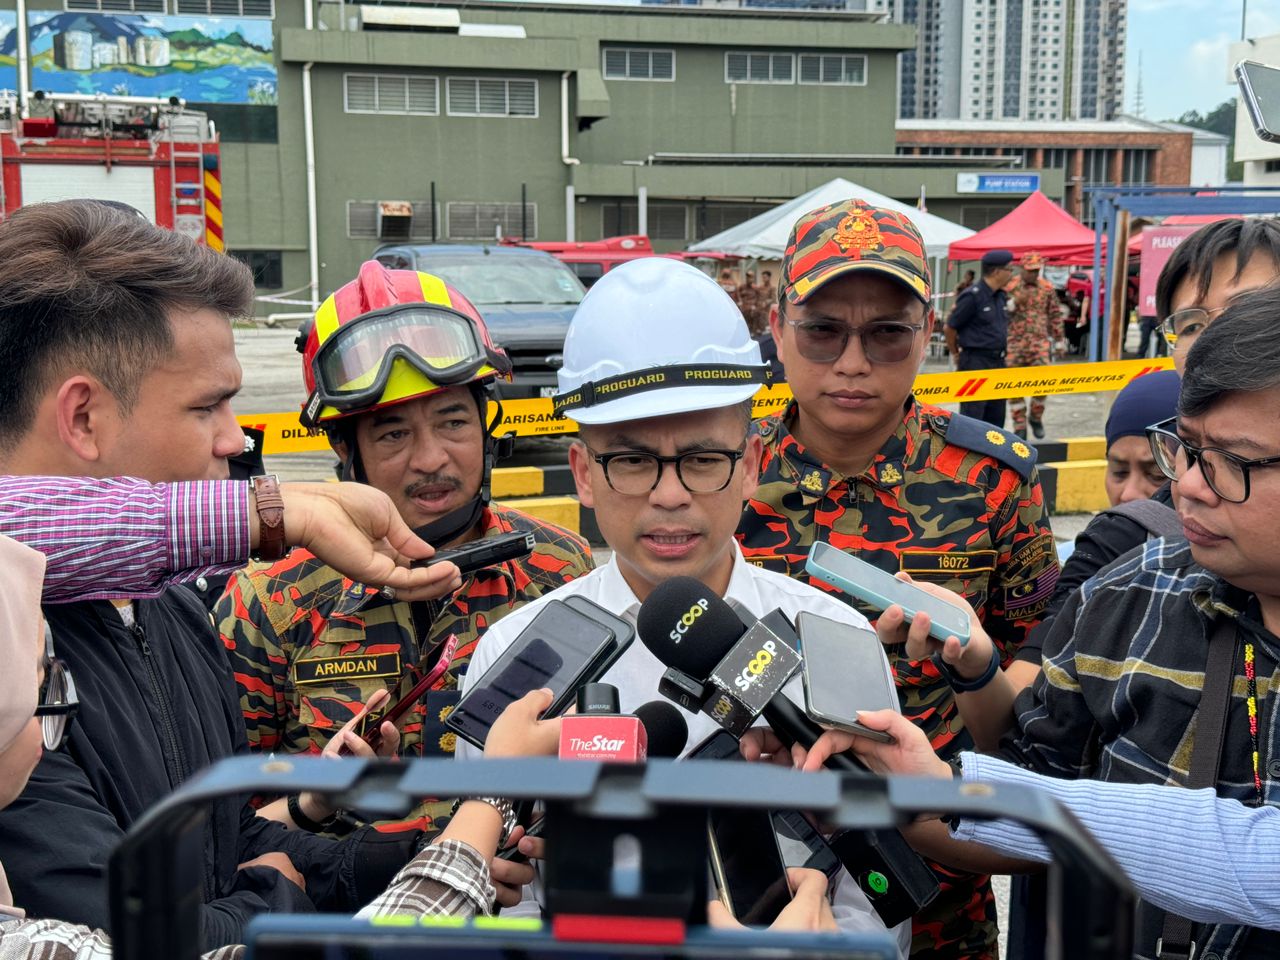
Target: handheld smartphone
882,590
486,552
798,839
371,725
1260,89
561,648
747,865
844,670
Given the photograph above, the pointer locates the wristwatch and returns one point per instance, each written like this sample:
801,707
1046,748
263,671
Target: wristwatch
506,809
270,505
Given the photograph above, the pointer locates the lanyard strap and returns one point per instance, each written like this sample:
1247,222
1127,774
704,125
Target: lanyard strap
1176,941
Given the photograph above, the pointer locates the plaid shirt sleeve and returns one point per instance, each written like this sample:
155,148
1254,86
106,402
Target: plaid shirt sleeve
448,878
126,537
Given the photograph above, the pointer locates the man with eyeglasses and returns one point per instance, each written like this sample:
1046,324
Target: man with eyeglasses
856,461
659,372
1124,695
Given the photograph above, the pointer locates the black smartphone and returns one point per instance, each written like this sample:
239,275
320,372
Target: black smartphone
747,865
844,670
561,648
798,838
486,552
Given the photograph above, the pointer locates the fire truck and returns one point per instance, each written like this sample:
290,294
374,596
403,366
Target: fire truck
156,155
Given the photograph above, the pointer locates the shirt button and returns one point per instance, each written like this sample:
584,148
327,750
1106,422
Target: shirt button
1212,956
202,583
1273,768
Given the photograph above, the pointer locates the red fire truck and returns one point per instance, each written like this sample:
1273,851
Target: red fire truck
155,155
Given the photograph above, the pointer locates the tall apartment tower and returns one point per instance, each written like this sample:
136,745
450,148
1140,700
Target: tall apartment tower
1012,59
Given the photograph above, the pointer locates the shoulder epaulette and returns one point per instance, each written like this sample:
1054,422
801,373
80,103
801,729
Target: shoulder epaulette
981,437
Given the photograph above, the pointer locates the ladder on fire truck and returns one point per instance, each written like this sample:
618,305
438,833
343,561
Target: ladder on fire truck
186,134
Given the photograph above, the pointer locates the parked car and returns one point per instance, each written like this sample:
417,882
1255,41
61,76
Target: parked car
526,297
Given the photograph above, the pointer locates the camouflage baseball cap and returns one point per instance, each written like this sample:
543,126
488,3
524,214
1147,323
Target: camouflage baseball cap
853,235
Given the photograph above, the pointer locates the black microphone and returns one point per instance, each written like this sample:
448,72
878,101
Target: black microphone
666,728
714,641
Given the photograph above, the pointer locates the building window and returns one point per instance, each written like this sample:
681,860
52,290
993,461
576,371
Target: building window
492,98
667,221
118,6
221,8
714,218
490,221
390,220
624,63
759,68
391,93
1271,166
833,69
267,266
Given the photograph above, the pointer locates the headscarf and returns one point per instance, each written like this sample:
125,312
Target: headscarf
1147,399
22,578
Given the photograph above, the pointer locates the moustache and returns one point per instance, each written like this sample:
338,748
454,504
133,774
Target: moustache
434,480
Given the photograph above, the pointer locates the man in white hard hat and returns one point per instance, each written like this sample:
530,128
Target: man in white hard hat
659,370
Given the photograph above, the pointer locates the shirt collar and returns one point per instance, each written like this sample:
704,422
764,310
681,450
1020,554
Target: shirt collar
815,478
616,593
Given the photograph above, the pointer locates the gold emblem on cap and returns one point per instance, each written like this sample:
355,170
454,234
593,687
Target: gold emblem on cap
1022,450
889,474
858,230
995,437
812,481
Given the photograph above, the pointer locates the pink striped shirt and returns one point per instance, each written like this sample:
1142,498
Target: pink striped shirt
125,537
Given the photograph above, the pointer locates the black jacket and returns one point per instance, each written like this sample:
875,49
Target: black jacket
157,704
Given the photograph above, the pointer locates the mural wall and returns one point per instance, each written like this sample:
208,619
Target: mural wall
8,50
202,59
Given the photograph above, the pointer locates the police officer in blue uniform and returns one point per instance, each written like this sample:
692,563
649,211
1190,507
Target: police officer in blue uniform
978,327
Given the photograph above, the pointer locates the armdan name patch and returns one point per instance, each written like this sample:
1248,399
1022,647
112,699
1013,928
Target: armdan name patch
355,667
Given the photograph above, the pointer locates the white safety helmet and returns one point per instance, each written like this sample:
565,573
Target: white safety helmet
656,337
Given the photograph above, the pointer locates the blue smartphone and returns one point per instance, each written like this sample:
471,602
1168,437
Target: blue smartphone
882,590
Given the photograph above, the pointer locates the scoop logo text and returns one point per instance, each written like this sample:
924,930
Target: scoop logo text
756,666
687,620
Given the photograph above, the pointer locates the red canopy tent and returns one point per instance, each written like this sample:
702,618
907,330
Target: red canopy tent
1037,225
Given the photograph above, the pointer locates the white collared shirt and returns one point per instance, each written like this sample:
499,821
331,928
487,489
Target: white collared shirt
637,671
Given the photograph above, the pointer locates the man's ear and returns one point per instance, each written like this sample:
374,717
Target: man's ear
87,416
580,467
775,327
751,465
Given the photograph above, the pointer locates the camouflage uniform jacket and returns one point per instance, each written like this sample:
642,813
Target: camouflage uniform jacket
309,647
1038,318
950,500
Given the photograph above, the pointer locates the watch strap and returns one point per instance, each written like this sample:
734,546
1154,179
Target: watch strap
270,506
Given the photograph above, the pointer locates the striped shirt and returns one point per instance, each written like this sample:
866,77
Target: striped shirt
1222,869
448,878
123,536
1119,696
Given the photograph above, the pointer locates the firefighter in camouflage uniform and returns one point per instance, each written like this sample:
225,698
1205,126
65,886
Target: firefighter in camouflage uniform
856,461
400,368
1034,324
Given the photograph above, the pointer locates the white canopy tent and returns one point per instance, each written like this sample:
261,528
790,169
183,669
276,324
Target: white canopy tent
764,237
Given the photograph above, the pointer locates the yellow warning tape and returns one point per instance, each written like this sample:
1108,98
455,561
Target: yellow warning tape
533,418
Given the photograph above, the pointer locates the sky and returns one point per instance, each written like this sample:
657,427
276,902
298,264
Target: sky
1184,46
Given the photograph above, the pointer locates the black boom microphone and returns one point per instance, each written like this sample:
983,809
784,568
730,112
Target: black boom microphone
665,727
742,670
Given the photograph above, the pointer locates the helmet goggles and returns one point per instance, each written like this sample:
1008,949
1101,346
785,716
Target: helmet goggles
353,367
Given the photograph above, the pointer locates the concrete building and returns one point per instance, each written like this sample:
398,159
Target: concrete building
151,51
1012,59
73,50
1260,158
683,121
1084,153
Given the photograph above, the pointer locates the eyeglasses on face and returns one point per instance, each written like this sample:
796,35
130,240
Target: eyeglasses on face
1227,474
57,703
825,341
634,472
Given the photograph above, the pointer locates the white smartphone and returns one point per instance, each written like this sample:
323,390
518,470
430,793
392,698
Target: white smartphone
882,590
1260,89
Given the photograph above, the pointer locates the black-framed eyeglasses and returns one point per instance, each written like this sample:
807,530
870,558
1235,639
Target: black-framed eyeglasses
57,703
633,472
825,341
1226,474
